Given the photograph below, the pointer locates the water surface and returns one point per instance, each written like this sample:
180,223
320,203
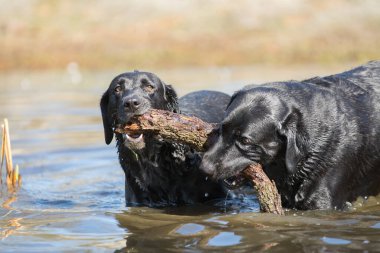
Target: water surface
72,196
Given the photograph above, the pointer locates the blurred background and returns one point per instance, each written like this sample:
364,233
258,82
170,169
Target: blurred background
120,34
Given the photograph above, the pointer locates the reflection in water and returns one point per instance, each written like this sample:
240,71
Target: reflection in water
335,241
224,239
8,200
72,198
149,229
189,229
11,227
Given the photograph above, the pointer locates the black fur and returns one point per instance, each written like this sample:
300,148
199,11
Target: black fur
318,139
159,173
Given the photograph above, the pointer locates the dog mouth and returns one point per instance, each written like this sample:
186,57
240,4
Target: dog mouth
135,138
235,182
134,141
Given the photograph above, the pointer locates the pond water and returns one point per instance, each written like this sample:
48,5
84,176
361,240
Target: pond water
72,195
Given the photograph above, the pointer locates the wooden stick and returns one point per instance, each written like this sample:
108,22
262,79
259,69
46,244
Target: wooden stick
195,133
171,126
269,198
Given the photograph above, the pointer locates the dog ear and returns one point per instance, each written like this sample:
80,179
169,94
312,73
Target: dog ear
171,97
107,122
290,129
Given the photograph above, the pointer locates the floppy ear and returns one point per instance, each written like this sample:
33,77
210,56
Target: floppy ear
290,129
171,97
107,122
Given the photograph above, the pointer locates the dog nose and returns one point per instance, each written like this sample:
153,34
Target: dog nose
132,103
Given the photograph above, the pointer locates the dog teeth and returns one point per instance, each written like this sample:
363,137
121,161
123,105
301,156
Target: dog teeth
135,139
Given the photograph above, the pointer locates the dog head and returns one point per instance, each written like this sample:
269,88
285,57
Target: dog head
131,94
259,127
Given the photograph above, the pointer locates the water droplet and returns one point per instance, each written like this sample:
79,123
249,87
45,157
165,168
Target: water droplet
206,194
206,178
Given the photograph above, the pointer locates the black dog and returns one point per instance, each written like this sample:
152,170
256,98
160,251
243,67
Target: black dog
318,139
159,173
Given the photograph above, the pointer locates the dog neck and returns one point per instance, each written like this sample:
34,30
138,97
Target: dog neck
158,161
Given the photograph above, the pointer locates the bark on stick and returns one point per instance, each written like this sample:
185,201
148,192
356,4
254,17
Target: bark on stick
195,133
171,126
269,198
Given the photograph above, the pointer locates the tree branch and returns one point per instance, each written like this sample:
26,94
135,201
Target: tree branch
195,133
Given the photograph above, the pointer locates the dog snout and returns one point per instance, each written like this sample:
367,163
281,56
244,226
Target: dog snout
132,104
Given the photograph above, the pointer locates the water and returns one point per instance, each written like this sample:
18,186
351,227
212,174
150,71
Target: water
72,196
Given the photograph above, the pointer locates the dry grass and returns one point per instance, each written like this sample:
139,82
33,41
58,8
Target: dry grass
13,178
140,33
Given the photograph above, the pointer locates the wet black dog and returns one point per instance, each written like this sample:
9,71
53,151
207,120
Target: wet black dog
159,173
318,139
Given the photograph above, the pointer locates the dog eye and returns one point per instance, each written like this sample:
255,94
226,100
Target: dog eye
149,88
245,140
118,89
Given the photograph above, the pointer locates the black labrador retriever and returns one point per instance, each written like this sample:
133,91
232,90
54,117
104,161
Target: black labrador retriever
159,173
318,139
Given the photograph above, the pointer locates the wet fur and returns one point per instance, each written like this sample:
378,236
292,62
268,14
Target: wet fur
160,173
318,139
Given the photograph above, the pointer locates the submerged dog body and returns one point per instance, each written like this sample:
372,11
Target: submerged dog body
318,139
159,173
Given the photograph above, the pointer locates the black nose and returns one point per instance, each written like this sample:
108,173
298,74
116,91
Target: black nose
132,104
